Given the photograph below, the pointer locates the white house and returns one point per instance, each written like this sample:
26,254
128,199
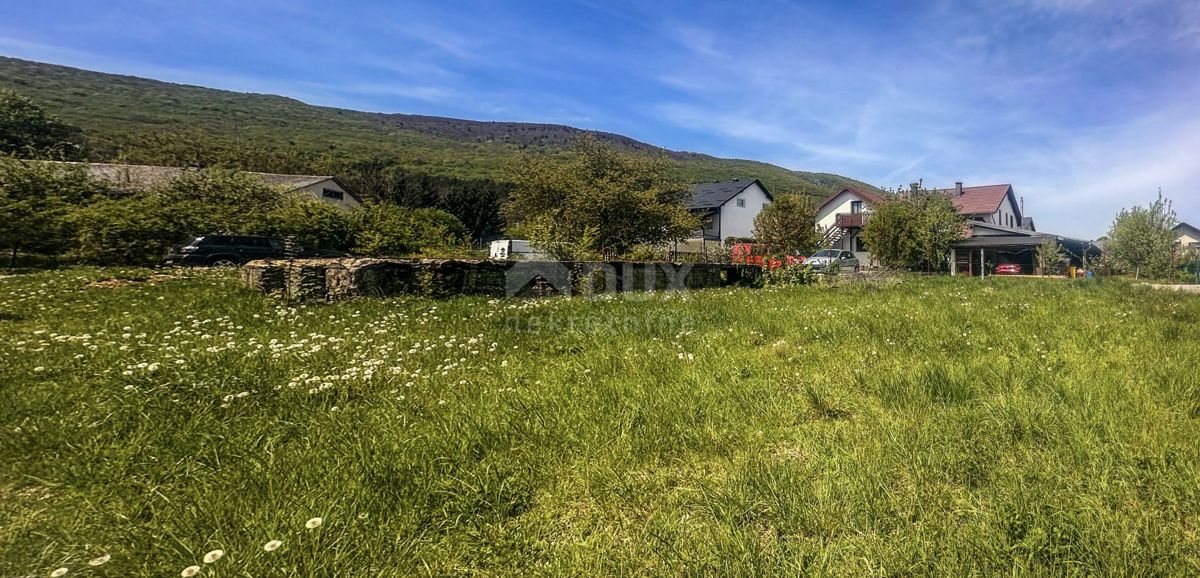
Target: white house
842,216
991,204
728,208
321,188
1187,235
141,177
840,220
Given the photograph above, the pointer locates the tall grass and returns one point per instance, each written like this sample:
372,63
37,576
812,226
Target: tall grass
941,426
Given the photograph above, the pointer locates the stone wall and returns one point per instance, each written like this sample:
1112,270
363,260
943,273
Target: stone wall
329,279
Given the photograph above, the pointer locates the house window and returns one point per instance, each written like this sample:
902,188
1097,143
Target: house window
741,202
855,207
859,245
332,194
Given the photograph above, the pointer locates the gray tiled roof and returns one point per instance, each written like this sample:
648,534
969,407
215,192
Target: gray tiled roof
714,194
148,176
1186,229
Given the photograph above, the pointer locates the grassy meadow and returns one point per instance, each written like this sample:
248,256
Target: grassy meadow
932,427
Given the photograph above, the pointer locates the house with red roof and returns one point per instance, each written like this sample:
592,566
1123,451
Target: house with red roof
840,219
991,204
998,231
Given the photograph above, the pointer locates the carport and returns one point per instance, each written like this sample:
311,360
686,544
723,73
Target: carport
991,245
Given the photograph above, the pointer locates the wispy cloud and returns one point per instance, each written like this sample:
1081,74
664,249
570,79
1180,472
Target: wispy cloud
1084,105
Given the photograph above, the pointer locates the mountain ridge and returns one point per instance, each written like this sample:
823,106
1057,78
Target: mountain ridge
114,108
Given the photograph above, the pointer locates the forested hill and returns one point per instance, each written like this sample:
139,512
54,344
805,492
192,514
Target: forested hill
141,120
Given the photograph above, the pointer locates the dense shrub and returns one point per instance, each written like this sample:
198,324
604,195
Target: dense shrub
313,223
35,199
798,274
137,229
385,229
216,200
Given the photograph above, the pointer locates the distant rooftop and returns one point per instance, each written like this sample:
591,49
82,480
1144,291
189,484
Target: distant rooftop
140,177
978,200
710,195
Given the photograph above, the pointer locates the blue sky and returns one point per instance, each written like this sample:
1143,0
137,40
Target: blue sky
1085,106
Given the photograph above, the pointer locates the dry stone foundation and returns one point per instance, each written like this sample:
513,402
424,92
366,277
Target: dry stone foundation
331,279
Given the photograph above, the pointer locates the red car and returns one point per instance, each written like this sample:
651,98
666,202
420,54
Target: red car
1007,269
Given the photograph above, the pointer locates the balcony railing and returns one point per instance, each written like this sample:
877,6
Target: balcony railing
850,220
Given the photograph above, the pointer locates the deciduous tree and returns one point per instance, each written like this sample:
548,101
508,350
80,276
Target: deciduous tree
913,230
624,199
788,225
35,198
1141,238
384,229
27,131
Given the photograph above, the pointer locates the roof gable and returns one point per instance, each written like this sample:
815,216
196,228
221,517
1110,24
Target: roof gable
864,195
1186,229
712,195
982,200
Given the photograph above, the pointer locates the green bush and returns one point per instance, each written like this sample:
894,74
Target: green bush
35,199
220,201
799,274
313,223
139,229
386,229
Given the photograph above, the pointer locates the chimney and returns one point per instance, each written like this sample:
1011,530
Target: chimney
1022,205
958,188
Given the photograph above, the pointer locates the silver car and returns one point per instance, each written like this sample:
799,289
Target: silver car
840,260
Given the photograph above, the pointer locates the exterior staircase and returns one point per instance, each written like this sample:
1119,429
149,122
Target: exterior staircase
833,235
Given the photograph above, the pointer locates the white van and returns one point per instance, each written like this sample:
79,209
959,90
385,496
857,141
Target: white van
515,250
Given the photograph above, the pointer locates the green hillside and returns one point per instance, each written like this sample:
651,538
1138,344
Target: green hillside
115,110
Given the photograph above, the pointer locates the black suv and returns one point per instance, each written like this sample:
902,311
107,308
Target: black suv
233,250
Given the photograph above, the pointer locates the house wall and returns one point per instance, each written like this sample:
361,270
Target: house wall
827,216
710,226
739,221
1187,240
1006,215
848,243
840,204
347,201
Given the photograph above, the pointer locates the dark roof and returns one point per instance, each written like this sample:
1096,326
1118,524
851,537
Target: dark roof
717,193
1018,238
867,195
980,200
1030,242
1187,229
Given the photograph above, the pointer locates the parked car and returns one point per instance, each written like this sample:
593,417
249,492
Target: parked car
233,250
1007,269
843,260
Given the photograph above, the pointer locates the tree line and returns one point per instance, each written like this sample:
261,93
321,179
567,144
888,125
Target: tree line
60,211
28,132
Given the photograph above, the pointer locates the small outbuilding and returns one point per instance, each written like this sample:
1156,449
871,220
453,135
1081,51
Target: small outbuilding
988,245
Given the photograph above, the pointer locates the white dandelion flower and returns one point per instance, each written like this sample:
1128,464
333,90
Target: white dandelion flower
272,546
313,523
40,369
213,556
59,572
190,571
100,560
